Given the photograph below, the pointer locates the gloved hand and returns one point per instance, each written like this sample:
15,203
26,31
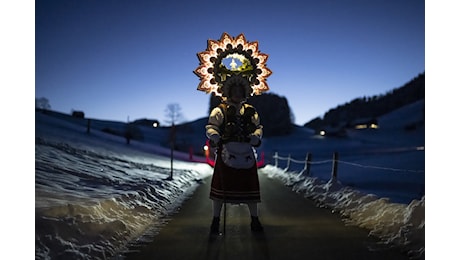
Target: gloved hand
214,140
254,140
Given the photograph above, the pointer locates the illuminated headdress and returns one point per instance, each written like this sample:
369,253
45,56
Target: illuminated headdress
232,60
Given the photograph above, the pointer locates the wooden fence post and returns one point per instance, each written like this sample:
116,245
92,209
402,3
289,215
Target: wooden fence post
88,125
276,159
288,162
335,158
307,164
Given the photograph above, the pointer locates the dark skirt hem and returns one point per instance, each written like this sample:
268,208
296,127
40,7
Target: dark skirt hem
234,185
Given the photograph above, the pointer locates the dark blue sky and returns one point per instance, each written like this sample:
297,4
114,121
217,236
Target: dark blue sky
118,59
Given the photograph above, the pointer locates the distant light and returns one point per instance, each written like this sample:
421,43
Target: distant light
421,148
322,132
364,126
155,124
205,148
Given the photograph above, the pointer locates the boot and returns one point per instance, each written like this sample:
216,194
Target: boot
215,225
255,224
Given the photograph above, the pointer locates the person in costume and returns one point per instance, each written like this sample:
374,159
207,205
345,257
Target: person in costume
234,128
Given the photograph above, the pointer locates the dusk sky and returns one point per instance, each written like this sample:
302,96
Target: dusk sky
126,60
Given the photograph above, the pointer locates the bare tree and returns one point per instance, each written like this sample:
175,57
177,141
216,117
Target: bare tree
173,114
42,103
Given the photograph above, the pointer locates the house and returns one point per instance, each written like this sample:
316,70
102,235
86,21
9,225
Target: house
78,114
147,122
364,123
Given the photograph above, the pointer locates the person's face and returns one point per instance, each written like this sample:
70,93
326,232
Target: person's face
237,93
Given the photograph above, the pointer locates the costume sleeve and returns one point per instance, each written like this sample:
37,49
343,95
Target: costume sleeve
216,119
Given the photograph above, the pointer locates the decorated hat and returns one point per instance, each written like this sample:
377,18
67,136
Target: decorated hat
230,61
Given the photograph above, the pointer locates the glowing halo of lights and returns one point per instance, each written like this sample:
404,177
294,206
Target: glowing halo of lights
246,61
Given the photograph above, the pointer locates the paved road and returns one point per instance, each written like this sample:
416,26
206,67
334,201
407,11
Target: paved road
294,229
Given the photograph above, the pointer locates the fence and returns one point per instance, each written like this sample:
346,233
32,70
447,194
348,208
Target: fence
335,161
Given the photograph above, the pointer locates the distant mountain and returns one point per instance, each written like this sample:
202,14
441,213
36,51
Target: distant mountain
369,108
276,118
403,127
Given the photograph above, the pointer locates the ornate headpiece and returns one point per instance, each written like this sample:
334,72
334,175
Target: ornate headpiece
232,58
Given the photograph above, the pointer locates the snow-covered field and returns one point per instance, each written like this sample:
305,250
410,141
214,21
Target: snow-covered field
94,194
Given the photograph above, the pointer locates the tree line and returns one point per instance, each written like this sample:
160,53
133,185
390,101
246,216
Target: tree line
372,107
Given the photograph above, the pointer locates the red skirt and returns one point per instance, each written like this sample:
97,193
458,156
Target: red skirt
234,185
